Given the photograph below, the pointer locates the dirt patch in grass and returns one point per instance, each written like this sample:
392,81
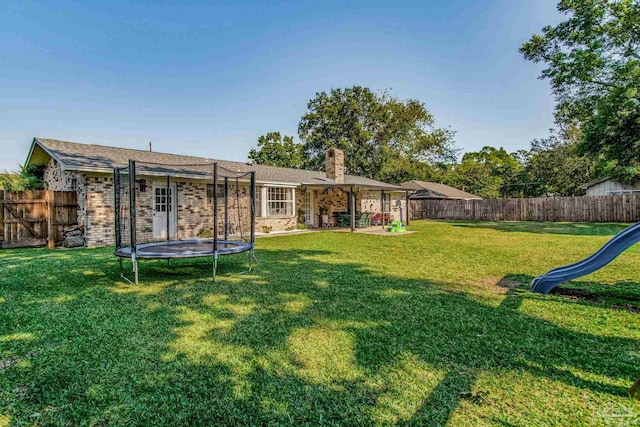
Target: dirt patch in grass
7,363
595,297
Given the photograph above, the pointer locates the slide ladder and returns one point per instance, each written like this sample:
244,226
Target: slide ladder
614,247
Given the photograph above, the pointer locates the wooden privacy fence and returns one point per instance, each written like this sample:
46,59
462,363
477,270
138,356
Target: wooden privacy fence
35,217
621,208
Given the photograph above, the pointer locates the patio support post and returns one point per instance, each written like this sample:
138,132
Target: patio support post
352,203
382,206
406,200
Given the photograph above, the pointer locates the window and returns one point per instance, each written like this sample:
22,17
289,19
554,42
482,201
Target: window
210,193
162,202
258,201
279,202
386,203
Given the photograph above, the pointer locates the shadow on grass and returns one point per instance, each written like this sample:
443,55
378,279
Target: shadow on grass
303,340
574,228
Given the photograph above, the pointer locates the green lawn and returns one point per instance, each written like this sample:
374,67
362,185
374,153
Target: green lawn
432,328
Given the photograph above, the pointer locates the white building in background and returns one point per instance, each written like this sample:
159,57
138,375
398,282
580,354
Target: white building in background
609,186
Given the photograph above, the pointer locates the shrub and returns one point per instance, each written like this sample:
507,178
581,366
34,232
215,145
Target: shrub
301,226
205,233
267,229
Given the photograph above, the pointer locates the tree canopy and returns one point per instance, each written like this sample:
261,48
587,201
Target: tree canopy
485,173
274,150
382,137
593,63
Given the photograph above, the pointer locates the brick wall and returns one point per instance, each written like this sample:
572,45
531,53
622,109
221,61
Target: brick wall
195,212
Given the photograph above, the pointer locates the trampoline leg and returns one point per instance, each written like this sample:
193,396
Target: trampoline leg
135,270
215,265
125,278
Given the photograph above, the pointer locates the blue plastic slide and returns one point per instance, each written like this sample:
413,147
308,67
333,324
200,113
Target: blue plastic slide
614,247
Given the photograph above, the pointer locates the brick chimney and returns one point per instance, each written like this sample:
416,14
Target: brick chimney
335,165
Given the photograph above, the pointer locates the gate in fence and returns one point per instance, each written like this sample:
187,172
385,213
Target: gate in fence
35,217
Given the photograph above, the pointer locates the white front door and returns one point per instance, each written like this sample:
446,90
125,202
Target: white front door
308,208
164,205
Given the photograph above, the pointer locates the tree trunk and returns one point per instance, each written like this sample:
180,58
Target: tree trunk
634,391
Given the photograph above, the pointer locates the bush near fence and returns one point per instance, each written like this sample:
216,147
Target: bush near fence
620,208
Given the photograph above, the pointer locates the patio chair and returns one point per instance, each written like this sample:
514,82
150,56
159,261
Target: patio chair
325,221
362,220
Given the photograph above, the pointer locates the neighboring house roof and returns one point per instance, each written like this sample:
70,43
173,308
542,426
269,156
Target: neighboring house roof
597,181
74,156
434,190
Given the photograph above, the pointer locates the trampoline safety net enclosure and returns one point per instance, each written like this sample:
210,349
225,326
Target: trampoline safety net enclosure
227,215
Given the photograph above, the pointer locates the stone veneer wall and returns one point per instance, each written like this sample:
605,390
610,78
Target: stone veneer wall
57,180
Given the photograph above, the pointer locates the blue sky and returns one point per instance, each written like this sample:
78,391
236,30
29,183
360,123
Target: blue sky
207,78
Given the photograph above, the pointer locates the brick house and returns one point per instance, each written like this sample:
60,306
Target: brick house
284,195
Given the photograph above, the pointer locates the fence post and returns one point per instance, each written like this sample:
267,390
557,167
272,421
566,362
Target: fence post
50,198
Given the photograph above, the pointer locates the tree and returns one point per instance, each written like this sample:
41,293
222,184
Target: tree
487,173
382,137
274,150
556,168
593,64
28,178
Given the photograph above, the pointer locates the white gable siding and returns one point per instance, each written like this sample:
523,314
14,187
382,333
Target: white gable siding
610,186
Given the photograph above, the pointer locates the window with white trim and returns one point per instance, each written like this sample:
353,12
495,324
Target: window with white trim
386,203
280,202
258,201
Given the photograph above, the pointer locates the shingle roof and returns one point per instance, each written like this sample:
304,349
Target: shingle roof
426,189
100,158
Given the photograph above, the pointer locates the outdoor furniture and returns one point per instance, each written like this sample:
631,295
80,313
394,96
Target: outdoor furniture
343,219
325,221
377,219
363,220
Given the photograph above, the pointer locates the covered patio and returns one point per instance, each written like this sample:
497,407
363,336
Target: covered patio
352,207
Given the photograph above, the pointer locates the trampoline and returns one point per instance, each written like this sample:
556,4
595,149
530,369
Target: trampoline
184,249
229,215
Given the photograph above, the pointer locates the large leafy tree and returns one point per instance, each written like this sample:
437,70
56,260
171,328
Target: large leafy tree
275,150
487,173
593,63
382,137
555,167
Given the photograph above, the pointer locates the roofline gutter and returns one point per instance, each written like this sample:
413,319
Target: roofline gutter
357,187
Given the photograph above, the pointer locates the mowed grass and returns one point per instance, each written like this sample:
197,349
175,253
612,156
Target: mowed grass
432,328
